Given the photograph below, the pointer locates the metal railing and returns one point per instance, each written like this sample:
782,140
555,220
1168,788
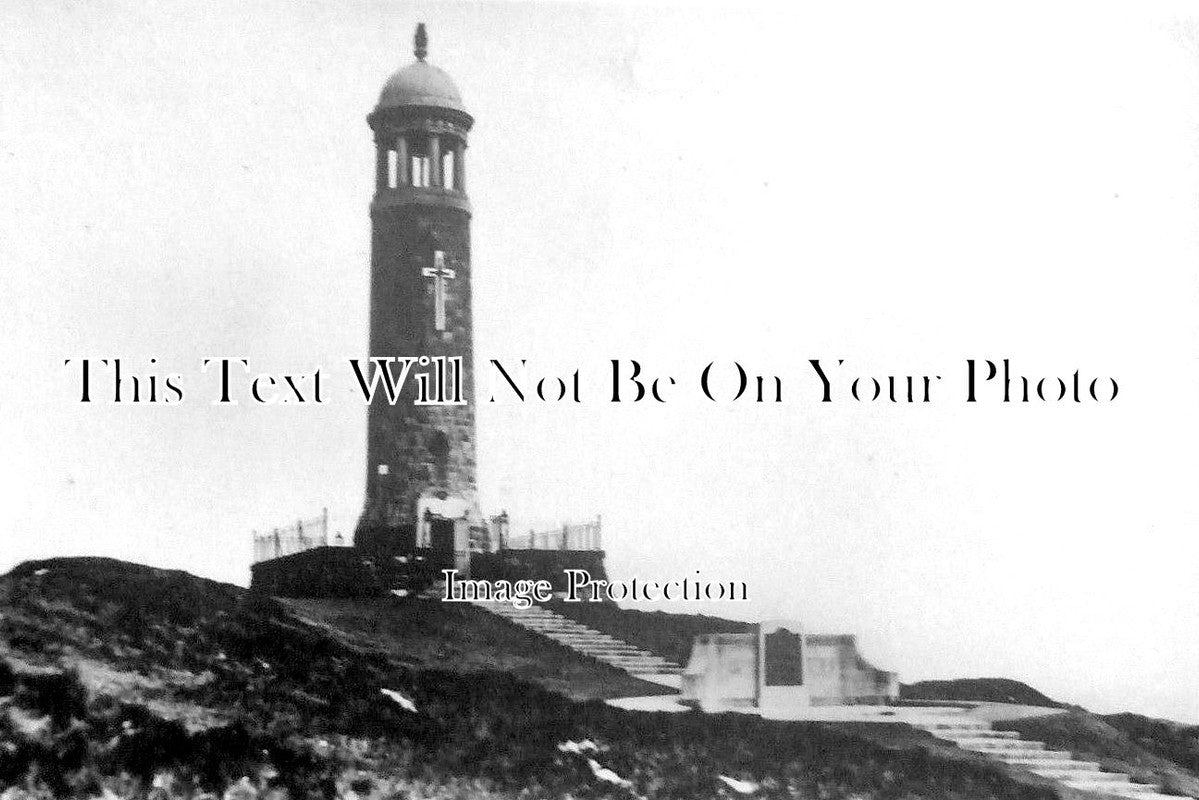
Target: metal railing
301,535
580,536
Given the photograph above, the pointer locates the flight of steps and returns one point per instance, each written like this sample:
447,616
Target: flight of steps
582,639
1058,765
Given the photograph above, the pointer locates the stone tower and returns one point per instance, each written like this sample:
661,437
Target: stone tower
420,481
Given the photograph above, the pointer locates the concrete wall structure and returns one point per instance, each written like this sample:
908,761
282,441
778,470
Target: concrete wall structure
722,672
837,673
738,670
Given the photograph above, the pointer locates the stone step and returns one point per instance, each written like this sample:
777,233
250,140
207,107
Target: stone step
963,725
1023,752
591,641
1138,791
617,655
977,734
582,638
611,659
635,665
958,729
578,634
1091,776
990,745
614,659
553,625
1064,764
1121,788
596,643
1033,755
1052,755
509,608
573,629
601,644
622,657
523,613
504,610
627,655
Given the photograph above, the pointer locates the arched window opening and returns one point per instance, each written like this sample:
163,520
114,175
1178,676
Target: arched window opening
449,176
392,169
419,164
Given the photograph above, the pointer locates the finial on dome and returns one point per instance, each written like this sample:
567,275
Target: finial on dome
421,42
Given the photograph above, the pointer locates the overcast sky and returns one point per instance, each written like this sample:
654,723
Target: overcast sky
901,186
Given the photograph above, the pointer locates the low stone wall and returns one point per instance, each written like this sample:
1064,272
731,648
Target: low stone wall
722,672
341,572
837,674
357,572
515,565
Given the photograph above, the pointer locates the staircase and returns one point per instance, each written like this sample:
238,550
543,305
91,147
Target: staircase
581,639
1058,765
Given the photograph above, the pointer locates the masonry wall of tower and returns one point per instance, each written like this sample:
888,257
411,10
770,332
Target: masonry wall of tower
424,448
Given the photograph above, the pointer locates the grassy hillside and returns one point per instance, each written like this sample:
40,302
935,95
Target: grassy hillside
1170,740
990,690
429,634
144,682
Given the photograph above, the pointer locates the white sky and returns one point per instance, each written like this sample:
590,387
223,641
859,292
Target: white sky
902,187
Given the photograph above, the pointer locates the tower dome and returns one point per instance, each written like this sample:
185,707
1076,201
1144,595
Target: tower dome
420,83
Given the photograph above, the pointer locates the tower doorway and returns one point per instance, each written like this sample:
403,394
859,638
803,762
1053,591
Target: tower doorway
441,539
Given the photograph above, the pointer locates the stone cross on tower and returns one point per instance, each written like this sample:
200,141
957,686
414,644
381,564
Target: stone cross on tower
440,275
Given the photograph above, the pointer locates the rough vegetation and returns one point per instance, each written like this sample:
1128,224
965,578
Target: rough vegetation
988,690
1162,738
130,682
431,634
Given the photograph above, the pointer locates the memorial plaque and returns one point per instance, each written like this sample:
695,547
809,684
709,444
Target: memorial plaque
782,658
